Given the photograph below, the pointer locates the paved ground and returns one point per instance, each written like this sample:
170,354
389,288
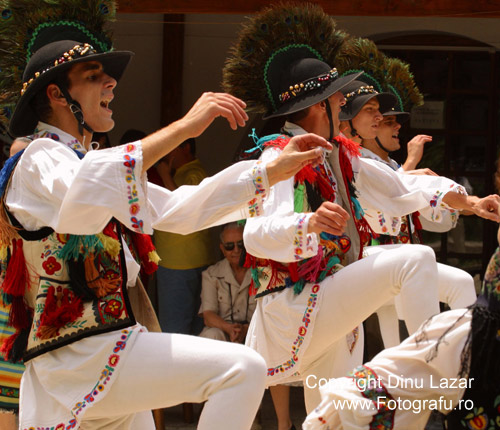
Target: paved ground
174,417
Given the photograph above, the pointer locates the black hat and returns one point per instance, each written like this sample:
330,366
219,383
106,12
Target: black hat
397,110
301,83
357,94
47,65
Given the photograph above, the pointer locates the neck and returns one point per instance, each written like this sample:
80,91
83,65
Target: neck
371,144
66,122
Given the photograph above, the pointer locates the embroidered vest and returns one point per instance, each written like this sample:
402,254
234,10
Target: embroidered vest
61,288
313,186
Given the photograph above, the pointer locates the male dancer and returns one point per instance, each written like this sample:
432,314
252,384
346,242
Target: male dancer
76,218
313,227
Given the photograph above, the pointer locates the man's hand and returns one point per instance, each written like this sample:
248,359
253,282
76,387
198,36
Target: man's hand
234,331
210,106
415,149
330,218
300,151
488,207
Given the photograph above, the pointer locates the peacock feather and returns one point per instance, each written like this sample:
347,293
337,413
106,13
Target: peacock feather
386,74
400,81
360,54
275,29
26,25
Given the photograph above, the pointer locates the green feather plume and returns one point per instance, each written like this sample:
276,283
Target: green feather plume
273,29
359,54
26,25
386,74
401,82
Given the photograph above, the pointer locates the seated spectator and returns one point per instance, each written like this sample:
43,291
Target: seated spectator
226,304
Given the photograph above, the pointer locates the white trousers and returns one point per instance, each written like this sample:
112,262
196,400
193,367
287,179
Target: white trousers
359,289
455,288
164,370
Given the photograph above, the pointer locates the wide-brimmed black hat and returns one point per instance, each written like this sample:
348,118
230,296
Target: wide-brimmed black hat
47,64
401,117
358,93
298,84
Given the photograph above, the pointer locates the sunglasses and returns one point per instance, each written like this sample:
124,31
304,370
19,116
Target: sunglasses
229,246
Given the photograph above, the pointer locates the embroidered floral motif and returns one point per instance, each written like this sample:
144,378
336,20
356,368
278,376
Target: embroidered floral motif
112,308
476,420
105,376
298,239
51,266
381,221
254,208
132,194
302,332
373,389
257,179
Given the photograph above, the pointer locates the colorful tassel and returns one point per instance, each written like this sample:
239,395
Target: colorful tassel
61,308
16,275
96,282
147,253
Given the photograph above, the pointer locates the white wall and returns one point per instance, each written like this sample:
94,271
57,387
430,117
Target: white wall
137,98
207,40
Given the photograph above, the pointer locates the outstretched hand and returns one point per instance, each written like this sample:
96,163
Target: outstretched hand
210,106
415,150
300,151
488,207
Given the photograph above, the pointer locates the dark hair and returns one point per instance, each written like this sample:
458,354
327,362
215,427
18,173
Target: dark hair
97,136
132,135
41,103
298,116
192,145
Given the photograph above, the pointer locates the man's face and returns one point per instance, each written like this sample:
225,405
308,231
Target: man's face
232,238
337,100
93,89
367,121
388,133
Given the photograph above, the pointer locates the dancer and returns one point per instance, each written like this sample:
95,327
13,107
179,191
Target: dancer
450,364
303,250
75,220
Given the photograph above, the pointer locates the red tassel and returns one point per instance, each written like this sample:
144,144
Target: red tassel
144,246
416,221
307,173
352,147
109,230
16,275
280,142
19,317
294,273
61,308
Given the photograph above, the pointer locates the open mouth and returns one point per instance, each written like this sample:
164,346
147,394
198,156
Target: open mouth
105,104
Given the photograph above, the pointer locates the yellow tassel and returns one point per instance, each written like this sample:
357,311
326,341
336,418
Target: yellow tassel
7,231
3,252
111,246
154,257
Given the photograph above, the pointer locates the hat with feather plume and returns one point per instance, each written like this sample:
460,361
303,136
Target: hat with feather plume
384,74
283,60
41,39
